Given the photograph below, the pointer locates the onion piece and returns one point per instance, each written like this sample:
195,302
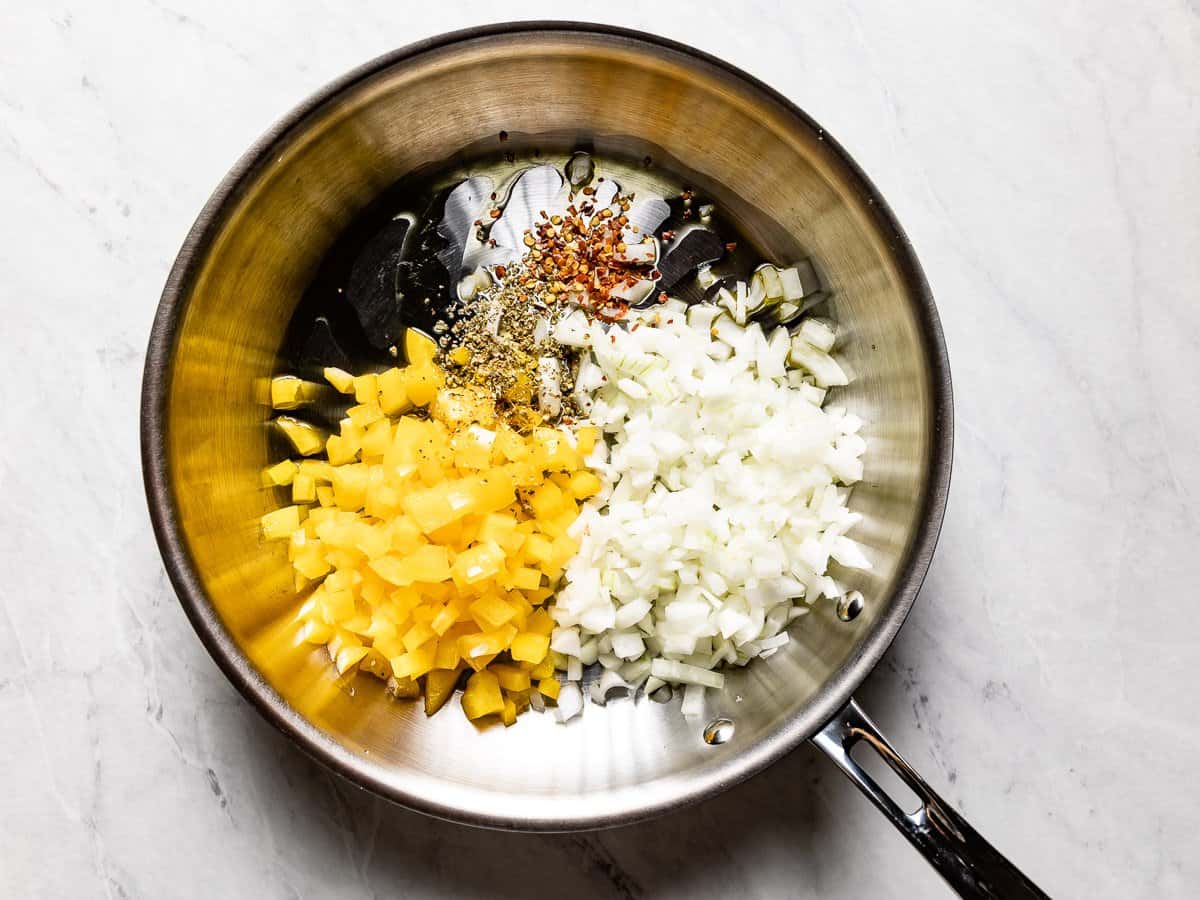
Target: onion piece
693,701
570,702
682,673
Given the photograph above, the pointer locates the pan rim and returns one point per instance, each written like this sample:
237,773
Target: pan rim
241,672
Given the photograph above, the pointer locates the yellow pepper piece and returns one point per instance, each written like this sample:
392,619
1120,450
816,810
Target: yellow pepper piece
393,398
290,392
490,612
508,715
419,348
549,687
584,485
530,648
280,474
279,524
403,688
511,678
366,388
306,438
543,670
482,696
439,687
342,381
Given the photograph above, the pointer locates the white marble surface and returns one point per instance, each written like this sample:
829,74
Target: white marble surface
1043,157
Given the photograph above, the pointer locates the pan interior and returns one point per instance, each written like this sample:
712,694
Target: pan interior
248,264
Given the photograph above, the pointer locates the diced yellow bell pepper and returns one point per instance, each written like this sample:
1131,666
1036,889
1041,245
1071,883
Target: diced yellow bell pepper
314,632
279,524
546,501
342,381
490,612
585,440
584,484
540,622
429,561
377,439
526,579
482,696
280,474
473,447
418,635
530,647
339,450
375,663
448,656
406,536
549,687
304,489
538,549
422,383
403,688
307,439
511,678
431,508
439,687
511,445
311,562
446,617
475,646
364,415
477,563
348,657
419,348
461,406
290,392
393,398
366,388
496,491
350,486
416,663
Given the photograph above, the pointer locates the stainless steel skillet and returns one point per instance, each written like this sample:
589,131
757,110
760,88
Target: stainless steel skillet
663,108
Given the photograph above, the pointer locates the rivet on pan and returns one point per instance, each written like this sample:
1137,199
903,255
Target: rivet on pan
849,606
718,731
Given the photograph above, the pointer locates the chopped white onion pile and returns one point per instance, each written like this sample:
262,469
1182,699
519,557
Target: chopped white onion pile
723,499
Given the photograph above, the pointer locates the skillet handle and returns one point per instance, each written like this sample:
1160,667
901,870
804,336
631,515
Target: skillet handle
970,865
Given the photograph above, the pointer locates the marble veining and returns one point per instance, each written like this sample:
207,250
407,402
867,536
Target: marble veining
1043,160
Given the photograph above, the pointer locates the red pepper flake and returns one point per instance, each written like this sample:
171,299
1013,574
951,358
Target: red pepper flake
491,242
613,338
662,297
668,235
731,246
478,222
493,195
495,213
501,271
636,326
